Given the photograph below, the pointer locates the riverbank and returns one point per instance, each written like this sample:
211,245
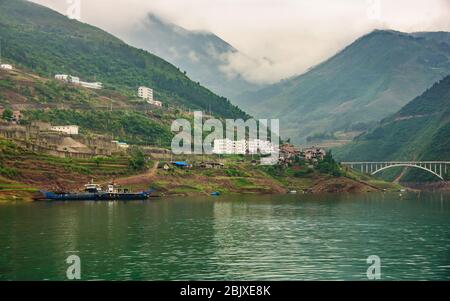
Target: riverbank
429,186
233,180
23,173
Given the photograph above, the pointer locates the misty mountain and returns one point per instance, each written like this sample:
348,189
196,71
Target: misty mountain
365,82
201,54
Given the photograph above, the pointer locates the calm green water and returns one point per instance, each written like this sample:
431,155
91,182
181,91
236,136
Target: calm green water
230,238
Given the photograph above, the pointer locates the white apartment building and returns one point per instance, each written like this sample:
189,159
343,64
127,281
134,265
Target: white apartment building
6,67
260,146
223,147
76,80
145,93
253,146
242,147
62,77
67,129
96,85
68,78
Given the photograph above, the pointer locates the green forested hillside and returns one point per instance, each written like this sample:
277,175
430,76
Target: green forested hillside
47,42
419,131
366,82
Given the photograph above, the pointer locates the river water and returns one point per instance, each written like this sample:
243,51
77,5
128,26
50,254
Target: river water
230,238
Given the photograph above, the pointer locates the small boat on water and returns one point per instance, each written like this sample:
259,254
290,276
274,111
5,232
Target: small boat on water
94,192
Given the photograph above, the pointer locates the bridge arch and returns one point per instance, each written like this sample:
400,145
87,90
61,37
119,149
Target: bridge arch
407,165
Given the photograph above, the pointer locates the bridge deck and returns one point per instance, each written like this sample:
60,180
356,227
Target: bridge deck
397,162
438,168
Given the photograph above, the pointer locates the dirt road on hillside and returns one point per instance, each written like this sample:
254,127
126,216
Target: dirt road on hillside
140,179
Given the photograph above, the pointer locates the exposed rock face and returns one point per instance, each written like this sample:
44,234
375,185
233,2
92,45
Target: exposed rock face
342,185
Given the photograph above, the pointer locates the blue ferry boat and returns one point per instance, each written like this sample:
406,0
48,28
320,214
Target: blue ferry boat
94,192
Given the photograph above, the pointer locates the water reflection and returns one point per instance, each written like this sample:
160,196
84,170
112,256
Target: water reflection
230,238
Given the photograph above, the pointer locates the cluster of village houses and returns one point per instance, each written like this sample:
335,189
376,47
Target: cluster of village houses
287,152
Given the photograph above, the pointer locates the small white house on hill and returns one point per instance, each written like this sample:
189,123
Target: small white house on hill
67,129
6,67
96,85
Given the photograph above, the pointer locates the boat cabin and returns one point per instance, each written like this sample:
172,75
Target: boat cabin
92,188
113,188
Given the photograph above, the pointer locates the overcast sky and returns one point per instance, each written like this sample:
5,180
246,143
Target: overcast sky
283,37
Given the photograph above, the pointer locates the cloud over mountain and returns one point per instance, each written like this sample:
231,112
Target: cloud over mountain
276,38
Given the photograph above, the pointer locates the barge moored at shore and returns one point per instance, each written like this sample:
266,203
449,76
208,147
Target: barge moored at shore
94,192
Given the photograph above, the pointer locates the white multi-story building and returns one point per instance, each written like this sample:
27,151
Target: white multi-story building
256,146
253,146
145,93
6,67
240,147
62,77
67,129
267,147
96,85
76,81
68,78
223,146
260,146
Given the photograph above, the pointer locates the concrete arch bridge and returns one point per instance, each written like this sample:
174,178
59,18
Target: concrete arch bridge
437,168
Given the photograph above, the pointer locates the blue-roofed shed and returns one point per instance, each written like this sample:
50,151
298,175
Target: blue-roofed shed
182,164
